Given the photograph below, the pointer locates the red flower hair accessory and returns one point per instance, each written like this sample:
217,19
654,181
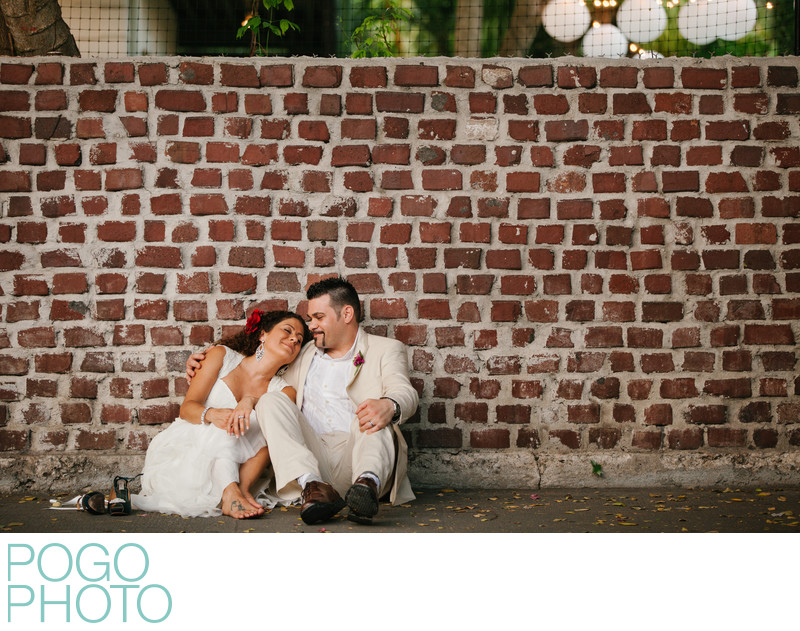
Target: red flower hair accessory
251,326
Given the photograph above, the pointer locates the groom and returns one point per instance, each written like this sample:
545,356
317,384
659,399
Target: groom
354,391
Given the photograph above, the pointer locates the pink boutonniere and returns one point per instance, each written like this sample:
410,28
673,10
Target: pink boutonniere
358,360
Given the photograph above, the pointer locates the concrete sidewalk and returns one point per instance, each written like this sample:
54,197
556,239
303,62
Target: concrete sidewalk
467,511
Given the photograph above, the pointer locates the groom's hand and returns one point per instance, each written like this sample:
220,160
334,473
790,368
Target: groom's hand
192,364
374,415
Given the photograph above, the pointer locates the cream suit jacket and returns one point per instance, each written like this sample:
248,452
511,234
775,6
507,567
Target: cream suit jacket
384,373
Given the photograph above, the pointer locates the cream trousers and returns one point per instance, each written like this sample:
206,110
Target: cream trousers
338,458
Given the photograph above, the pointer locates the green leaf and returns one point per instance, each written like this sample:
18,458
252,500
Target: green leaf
597,469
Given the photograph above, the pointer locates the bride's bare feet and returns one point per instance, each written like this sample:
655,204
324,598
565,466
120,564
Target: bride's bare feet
252,500
236,505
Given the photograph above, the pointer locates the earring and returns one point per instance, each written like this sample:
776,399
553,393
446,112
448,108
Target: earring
260,352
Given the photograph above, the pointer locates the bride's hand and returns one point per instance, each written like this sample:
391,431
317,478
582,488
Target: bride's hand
239,421
218,417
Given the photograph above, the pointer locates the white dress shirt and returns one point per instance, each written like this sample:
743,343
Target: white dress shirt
326,405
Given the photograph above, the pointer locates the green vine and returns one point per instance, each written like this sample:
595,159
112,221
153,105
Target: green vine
258,26
377,34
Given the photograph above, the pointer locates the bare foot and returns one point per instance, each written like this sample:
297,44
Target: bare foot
252,500
235,505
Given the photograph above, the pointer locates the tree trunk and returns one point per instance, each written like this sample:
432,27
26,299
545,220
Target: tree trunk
469,15
525,21
35,27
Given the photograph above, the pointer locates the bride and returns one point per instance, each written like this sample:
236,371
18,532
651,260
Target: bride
208,459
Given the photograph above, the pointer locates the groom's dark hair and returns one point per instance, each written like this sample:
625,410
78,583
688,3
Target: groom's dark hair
341,292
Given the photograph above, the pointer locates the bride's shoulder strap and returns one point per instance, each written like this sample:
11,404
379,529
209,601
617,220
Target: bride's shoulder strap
230,361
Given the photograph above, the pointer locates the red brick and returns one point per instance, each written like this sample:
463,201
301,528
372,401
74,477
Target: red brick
489,439
563,131
592,103
704,78
408,102
765,438
587,413
152,74
394,127
239,76
568,438
726,437
416,75
510,156
15,181
180,100
368,77
275,129
443,437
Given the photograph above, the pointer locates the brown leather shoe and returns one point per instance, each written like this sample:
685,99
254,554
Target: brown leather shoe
320,502
362,500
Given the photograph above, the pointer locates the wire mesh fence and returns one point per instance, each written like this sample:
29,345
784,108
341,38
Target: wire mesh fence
453,28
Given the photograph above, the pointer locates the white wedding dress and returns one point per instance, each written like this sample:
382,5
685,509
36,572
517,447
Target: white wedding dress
188,465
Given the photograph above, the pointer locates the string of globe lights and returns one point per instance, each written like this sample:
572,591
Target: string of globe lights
639,22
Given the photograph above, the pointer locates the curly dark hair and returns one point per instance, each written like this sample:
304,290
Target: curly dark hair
246,341
341,293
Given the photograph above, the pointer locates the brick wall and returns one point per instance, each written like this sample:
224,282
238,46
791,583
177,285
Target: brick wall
589,260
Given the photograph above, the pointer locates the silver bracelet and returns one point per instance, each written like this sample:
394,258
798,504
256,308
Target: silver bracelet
203,416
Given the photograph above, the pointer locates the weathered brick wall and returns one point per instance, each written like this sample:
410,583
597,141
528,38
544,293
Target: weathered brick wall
588,259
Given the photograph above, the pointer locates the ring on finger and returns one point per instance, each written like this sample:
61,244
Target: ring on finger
371,423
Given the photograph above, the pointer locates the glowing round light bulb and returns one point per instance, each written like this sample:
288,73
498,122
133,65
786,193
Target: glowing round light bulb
605,40
566,20
735,18
642,20
698,22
